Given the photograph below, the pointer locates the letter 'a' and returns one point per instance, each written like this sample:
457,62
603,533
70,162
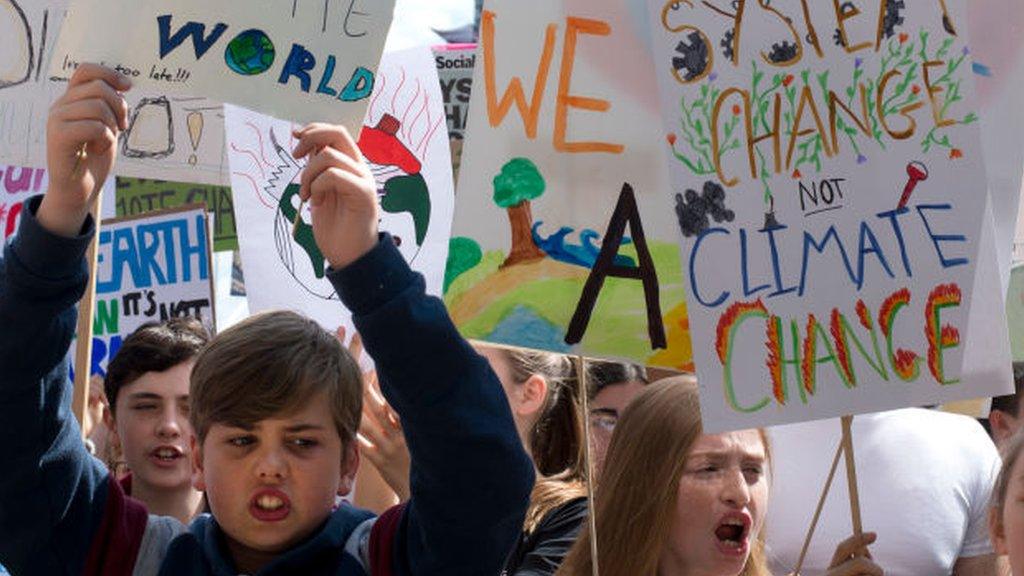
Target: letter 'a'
626,211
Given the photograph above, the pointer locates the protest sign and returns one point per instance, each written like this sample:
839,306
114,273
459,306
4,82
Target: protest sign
150,268
562,237
831,198
137,196
997,46
455,65
28,31
301,61
174,137
18,184
405,144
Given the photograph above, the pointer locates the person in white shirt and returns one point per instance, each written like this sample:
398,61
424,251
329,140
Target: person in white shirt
924,480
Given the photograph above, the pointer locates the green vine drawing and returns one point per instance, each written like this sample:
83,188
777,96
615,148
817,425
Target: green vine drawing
903,54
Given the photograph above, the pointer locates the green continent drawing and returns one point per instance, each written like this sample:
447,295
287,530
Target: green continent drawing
409,194
303,231
250,53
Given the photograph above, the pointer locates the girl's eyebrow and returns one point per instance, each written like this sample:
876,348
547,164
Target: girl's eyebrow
710,454
726,454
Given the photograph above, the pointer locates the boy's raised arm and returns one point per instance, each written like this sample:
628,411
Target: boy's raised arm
52,493
471,478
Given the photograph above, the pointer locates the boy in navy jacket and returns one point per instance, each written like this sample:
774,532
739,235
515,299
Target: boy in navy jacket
275,400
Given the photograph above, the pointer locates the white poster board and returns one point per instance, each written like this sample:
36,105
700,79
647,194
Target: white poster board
455,66
831,198
404,140
302,61
562,237
170,137
997,46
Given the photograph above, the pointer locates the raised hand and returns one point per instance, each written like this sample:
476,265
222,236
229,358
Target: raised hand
380,437
341,191
92,112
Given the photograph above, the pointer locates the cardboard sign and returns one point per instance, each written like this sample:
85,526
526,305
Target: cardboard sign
455,65
301,61
137,196
18,184
997,45
562,237
831,199
170,136
150,268
405,143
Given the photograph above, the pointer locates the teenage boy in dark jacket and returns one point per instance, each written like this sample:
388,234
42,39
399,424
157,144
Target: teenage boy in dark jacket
270,467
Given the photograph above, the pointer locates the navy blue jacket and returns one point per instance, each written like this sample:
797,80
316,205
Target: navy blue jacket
471,478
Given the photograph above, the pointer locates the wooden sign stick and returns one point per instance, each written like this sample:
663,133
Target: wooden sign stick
86,308
581,379
851,475
817,511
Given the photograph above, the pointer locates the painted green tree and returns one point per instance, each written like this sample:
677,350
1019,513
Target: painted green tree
518,183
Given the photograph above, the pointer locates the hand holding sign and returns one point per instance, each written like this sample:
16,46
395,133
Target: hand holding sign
852,557
93,112
341,192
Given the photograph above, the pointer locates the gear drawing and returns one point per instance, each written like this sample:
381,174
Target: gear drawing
784,51
693,57
893,17
726,43
695,211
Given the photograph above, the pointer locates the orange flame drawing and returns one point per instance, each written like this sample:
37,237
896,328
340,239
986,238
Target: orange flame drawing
940,338
810,355
775,360
732,316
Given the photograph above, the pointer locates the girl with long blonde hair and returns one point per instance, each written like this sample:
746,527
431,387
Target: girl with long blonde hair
673,501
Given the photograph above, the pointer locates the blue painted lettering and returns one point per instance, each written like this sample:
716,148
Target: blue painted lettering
200,41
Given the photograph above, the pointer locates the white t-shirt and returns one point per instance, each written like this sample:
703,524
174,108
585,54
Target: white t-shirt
924,479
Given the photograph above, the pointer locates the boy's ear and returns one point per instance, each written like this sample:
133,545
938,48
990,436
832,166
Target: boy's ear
997,532
349,467
532,395
1002,425
108,421
198,477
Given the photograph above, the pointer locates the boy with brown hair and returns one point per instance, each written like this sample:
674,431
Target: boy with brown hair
275,400
147,386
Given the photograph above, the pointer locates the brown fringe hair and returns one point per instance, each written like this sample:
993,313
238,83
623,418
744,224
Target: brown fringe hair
270,365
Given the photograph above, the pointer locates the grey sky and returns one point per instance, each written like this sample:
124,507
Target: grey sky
415,19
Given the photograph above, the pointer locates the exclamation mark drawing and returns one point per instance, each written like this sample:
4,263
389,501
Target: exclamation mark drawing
195,132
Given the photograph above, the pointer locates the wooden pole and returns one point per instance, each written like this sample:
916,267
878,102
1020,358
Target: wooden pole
817,511
86,308
581,379
851,475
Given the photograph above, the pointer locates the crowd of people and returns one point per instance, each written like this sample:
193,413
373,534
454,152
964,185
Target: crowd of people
267,450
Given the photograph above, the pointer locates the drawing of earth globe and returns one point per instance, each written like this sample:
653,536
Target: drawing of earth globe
250,53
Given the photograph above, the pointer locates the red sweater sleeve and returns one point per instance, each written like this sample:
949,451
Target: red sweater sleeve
115,545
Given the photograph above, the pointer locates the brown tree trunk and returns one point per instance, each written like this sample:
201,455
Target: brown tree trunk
523,249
